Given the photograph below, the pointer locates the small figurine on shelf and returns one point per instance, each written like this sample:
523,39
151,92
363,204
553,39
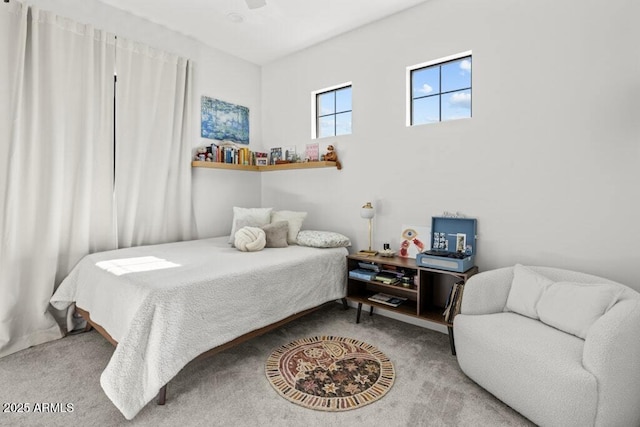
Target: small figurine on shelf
332,156
201,154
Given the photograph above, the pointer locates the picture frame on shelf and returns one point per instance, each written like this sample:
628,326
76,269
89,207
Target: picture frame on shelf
275,155
312,152
413,240
289,154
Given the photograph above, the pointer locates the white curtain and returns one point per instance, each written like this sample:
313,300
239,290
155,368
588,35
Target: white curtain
56,170
153,168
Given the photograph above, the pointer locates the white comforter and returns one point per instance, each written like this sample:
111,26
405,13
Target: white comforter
165,317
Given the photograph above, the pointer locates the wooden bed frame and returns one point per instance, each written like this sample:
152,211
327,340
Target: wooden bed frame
162,394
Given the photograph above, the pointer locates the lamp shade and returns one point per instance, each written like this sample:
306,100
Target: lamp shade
367,211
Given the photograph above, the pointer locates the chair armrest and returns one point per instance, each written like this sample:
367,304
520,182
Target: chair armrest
612,355
487,292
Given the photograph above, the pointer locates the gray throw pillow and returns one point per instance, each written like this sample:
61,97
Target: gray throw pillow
276,233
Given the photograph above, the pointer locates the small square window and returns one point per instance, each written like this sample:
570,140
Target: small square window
332,111
439,90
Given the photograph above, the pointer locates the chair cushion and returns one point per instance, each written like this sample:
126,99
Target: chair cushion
526,288
574,307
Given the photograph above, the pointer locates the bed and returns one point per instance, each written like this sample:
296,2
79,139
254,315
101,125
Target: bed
164,305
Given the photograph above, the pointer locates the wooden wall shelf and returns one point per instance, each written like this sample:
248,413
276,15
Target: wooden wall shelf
284,166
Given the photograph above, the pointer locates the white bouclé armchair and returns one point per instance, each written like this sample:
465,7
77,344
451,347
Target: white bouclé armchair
560,347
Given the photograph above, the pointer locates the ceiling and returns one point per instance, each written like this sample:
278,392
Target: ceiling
264,34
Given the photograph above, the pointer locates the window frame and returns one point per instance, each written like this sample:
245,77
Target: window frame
315,110
436,62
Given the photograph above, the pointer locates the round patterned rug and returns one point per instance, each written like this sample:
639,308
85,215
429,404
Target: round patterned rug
330,373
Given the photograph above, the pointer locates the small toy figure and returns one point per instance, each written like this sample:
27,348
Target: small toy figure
332,156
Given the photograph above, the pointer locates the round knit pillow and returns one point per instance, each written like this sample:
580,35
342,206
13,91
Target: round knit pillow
250,239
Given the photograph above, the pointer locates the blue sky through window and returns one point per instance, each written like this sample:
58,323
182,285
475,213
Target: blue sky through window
441,92
334,112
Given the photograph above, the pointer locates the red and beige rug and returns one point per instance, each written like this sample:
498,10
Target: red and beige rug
330,373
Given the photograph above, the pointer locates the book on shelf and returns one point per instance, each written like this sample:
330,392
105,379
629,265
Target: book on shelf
387,278
454,301
390,277
369,266
386,281
361,273
387,299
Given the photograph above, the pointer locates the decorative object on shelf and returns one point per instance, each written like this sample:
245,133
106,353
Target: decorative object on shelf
330,373
275,155
312,152
224,121
332,156
368,212
453,244
387,253
262,158
407,281
413,240
290,154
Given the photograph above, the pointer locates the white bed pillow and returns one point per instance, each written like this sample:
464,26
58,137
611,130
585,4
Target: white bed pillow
276,234
250,239
526,289
574,307
256,217
322,239
295,220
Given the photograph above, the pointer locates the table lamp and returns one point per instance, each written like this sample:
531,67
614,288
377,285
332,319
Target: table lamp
367,212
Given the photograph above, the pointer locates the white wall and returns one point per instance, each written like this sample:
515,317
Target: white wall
215,74
548,164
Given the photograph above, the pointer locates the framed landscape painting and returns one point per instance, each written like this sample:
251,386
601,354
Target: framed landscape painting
224,121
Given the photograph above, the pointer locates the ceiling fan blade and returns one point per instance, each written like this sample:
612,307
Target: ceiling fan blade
255,4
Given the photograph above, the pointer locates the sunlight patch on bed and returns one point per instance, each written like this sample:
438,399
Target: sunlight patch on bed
122,266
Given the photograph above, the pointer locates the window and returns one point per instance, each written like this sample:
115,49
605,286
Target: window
332,111
439,90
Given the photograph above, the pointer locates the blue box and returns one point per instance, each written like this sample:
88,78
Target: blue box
453,244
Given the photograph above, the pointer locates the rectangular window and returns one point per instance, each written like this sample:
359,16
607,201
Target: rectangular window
331,111
439,90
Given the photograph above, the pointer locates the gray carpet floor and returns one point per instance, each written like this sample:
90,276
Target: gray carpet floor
231,389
